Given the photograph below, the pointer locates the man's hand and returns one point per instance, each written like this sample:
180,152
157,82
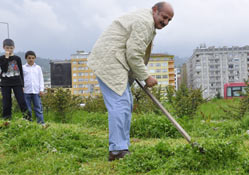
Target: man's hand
150,81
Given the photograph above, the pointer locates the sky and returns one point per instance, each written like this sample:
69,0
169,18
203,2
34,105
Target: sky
55,29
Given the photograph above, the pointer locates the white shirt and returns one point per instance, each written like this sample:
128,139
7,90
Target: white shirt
33,79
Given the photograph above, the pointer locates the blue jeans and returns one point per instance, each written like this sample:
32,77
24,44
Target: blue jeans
36,100
119,116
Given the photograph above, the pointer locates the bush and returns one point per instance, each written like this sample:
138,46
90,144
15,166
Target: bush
143,103
62,102
152,126
95,104
219,155
242,109
187,101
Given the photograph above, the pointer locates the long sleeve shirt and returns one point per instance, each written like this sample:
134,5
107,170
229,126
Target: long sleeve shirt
33,79
11,73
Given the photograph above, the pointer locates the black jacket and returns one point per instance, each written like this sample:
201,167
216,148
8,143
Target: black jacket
11,73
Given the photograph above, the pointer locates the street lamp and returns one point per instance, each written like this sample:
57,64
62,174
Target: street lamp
7,27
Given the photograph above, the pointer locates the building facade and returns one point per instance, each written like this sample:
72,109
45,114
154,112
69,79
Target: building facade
210,68
84,82
161,67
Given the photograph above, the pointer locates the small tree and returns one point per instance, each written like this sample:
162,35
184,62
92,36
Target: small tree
95,104
244,102
170,92
62,102
187,101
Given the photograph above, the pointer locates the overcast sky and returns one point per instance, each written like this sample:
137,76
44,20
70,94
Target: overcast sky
55,29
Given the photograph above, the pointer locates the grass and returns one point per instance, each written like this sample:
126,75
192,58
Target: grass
81,145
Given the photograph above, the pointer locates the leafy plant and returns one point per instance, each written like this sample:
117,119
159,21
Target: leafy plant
152,126
62,102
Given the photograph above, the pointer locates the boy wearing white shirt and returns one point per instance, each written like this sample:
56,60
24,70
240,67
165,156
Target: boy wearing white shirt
33,85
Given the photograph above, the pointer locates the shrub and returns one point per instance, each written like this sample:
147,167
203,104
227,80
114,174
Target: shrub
142,103
62,102
162,158
152,126
187,101
95,104
239,111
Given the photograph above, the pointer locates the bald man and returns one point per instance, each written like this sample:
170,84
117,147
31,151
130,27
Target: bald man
119,55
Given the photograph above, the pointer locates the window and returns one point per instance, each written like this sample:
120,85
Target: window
158,76
158,65
152,71
74,62
151,64
165,64
74,80
81,79
164,70
230,66
75,86
75,68
80,74
165,76
158,70
74,75
236,59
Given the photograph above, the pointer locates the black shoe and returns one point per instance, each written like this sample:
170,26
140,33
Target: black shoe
120,154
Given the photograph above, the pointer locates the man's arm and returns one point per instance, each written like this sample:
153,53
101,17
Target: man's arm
135,50
136,47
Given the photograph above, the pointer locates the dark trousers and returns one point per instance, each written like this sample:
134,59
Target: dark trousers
7,101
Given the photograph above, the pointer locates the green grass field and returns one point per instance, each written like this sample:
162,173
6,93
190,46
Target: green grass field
80,146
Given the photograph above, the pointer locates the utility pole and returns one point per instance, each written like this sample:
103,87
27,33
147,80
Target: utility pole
7,28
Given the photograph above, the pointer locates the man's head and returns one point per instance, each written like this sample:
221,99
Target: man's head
30,57
162,14
8,45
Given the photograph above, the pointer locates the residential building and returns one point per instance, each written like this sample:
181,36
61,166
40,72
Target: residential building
210,68
84,82
161,67
177,78
183,75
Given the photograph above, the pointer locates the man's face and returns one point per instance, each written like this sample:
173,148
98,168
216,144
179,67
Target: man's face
162,17
9,49
30,59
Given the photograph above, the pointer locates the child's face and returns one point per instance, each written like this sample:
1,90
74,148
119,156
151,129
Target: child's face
9,49
30,59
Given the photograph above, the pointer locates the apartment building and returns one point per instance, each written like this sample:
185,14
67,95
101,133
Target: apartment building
210,68
161,67
84,82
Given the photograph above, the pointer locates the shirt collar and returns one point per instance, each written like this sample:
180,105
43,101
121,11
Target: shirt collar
29,65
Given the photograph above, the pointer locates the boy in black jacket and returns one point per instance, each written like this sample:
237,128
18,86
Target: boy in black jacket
11,77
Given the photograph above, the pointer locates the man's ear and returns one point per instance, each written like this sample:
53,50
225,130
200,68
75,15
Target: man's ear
154,9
